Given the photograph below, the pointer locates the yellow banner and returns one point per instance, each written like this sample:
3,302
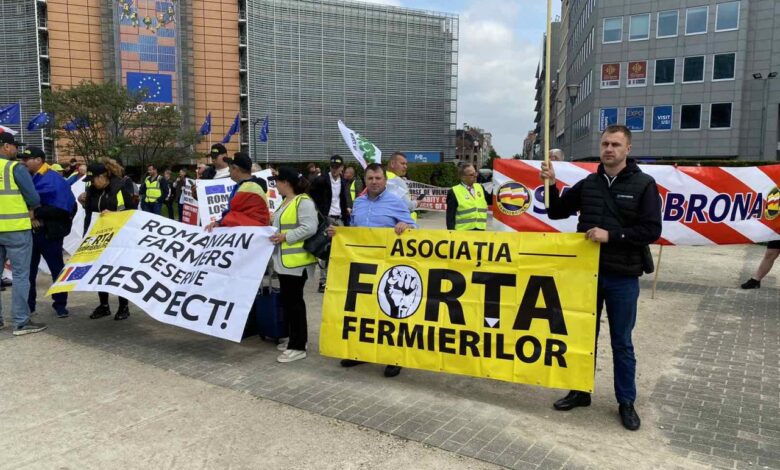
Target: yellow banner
519,307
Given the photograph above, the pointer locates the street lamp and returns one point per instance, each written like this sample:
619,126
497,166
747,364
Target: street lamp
573,91
252,142
760,76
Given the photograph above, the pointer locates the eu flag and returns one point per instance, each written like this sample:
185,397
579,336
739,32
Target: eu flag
264,131
40,121
76,124
158,86
79,272
234,128
11,114
205,128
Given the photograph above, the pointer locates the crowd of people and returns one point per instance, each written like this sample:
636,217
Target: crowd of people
37,208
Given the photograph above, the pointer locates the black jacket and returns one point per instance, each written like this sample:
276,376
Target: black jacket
56,222
322,194
636,197
99,200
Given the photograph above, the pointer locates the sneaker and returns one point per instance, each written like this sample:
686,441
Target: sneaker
28,328
63,313
122,313
291,355
628,416
321,288
392,371
282,346
751,284
100,312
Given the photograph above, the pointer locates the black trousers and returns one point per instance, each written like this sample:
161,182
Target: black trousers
103,296
294,307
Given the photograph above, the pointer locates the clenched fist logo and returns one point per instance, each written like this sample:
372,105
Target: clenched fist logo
400,291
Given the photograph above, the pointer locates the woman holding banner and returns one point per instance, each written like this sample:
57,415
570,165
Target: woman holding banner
297,221
109,191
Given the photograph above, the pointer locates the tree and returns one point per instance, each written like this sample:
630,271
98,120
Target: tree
492,156
158,137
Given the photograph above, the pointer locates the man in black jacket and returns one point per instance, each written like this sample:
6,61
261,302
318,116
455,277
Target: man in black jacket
331,196
620,209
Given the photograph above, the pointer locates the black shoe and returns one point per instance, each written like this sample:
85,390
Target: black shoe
572,400
350,363
628,416
751,284
321,288
122,313
100,312
392,371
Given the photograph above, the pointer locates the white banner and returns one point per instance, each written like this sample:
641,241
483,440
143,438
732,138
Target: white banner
364,151
213,196
177,273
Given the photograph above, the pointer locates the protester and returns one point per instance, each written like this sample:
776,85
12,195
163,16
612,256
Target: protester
354,185
379,207
557,155
154,191
18,200
51,223
618,185
312,172
218,170
770,255
330,195
81,171
200,170
108,191
178,188
466,203
168,200
396,181
297,221
247,203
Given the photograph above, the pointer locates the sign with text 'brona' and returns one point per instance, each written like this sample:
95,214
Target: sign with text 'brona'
514,307
177,273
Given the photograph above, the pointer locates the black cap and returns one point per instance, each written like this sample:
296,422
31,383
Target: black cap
336,161
8,138
241,160
286,173
93,170
218,149
33,152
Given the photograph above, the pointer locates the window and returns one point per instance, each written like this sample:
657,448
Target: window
613,30
720,116
723,67
662,118
664,71
693,69
727,18
696,20
667,24
690,116
639,27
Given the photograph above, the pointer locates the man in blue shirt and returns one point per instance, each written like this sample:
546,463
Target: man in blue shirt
378,208
51,223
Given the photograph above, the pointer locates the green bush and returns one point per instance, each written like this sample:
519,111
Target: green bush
437,174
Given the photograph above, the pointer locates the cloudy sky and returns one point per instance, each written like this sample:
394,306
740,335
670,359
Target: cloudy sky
500,47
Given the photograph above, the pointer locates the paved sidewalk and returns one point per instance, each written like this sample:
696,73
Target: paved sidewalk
708,380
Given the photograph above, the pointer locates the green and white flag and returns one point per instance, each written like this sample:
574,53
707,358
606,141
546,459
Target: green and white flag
361,148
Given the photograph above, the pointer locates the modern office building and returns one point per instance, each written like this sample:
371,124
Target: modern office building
692,79
389,73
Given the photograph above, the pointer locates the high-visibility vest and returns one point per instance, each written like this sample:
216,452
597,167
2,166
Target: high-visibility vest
391,175
293,254
472,210
153,190
352,191
14,215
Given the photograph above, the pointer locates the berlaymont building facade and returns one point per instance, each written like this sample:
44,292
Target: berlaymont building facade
389,73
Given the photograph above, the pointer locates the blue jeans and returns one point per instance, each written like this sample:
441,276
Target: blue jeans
153,207
51,251
620,294
17,248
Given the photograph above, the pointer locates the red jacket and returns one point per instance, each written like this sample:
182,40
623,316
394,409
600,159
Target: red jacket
248,207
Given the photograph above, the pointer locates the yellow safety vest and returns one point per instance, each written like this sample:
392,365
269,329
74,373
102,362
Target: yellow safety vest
153,190
352,190
293,255
391,175
14,215
472,210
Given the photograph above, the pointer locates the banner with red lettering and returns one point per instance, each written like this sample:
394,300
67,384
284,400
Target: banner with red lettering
700,205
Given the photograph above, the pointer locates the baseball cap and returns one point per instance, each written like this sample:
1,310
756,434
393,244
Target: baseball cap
33,152
93,170
8,138
218,149
336,161
286,173
241,160
57,167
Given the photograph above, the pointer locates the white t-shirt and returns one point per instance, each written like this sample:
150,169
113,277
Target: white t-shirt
222,173
335,204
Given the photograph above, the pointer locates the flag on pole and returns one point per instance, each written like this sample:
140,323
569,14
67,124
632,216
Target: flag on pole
7,129
233,129
264,131
205,128
11,114
361,148
76,124
40,121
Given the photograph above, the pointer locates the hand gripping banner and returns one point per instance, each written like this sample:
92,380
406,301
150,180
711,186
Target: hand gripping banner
700,205
508,306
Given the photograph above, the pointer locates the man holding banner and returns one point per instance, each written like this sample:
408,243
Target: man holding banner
619,208
466,203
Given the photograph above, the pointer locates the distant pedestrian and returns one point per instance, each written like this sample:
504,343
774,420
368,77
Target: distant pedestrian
770,255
